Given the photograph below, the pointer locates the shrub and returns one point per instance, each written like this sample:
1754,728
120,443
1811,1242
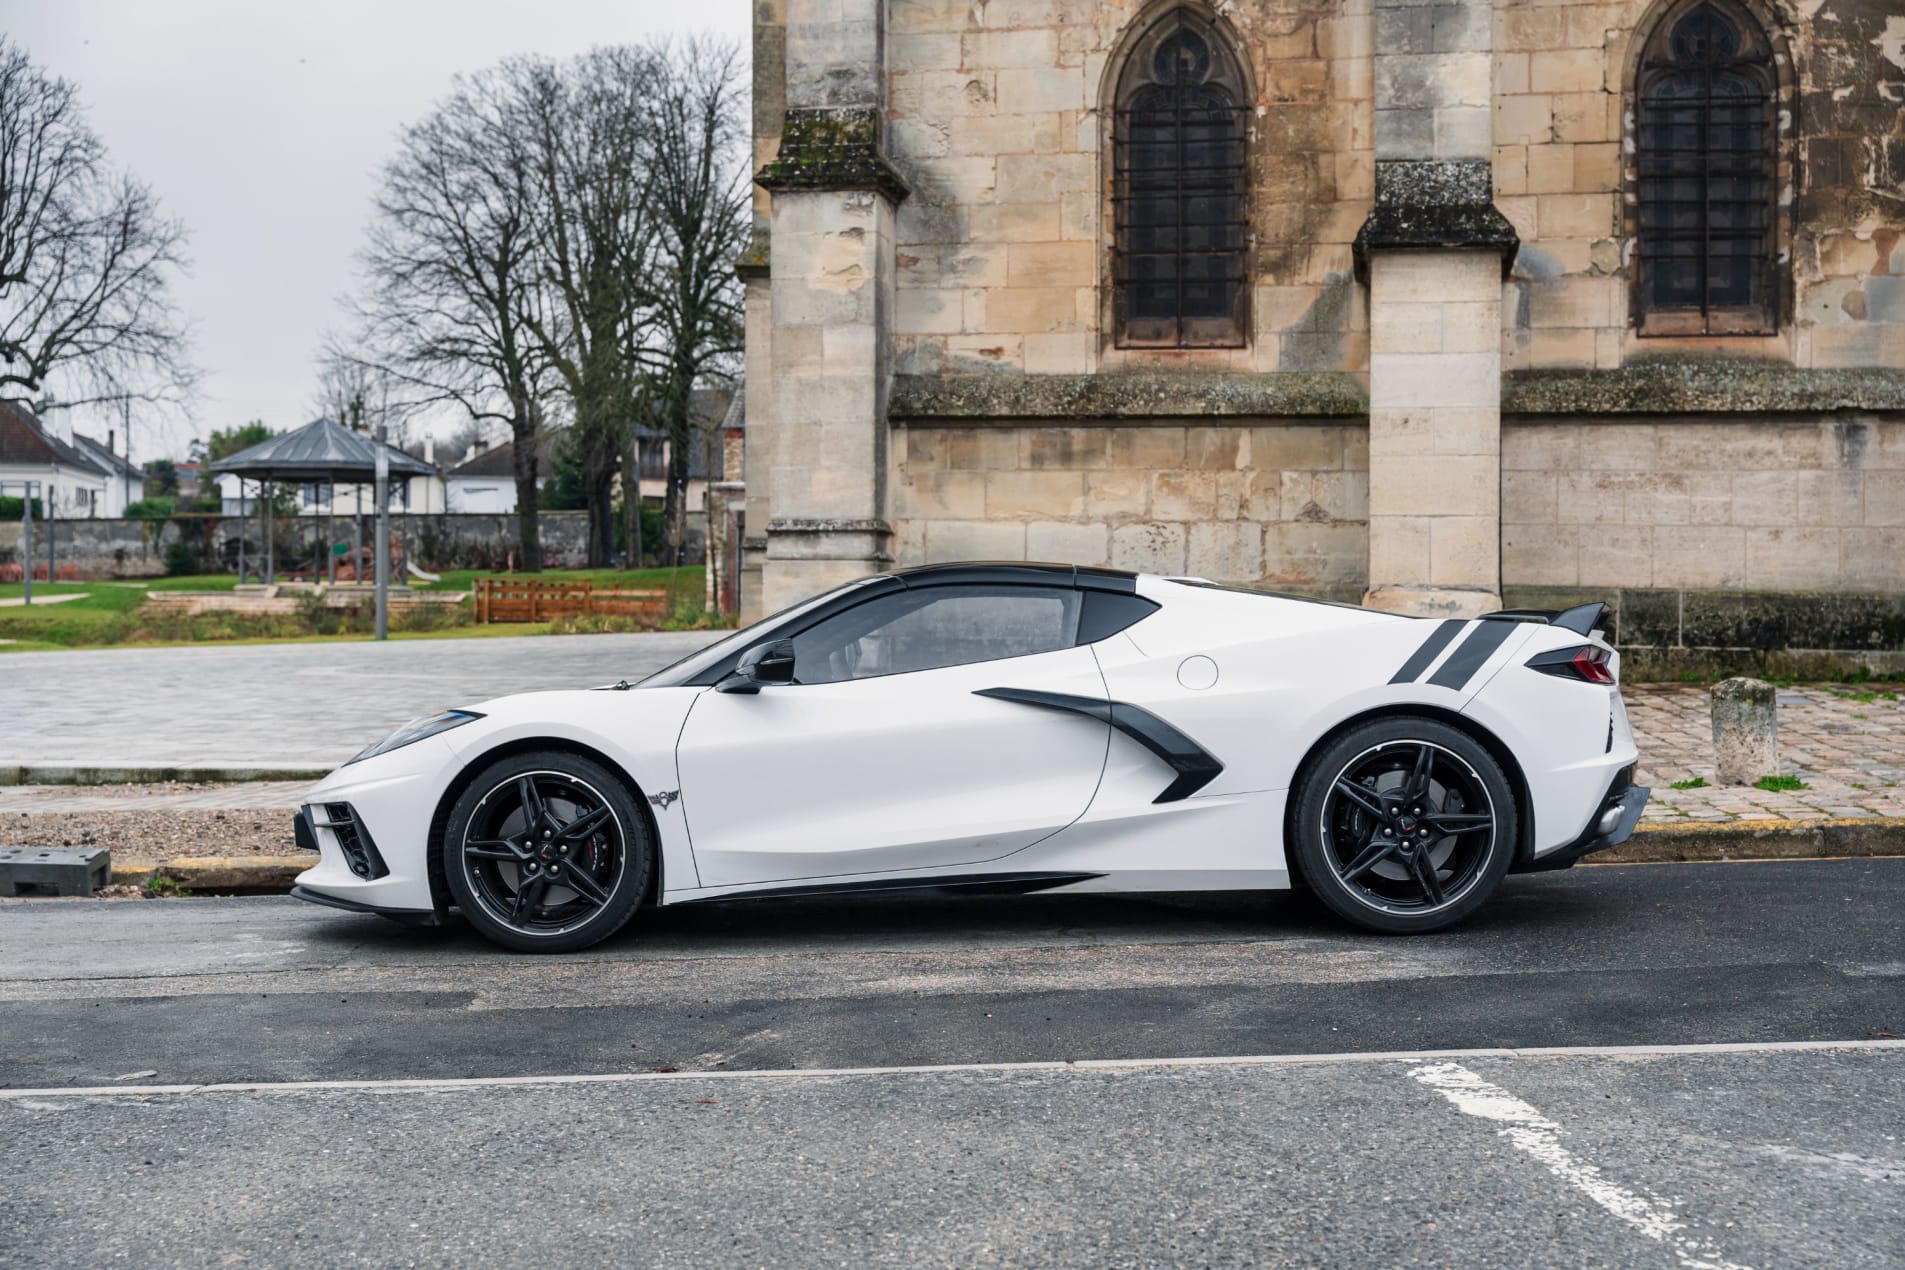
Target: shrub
180,559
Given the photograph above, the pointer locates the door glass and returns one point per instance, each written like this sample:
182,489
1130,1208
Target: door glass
942,626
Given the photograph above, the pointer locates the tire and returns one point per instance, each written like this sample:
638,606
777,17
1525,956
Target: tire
1404,825
525,836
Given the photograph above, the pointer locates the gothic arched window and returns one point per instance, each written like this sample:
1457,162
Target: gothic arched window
1178,254
1707,99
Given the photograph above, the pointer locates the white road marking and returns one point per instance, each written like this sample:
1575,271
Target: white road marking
1536,1135
940,1069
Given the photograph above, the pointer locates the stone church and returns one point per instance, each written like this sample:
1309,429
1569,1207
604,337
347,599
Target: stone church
1430,306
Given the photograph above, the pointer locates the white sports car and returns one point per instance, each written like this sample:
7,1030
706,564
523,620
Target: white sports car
1005,727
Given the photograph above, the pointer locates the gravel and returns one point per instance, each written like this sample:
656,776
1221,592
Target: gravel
151,837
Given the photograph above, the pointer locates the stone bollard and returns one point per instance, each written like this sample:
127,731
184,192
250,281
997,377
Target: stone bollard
1745,730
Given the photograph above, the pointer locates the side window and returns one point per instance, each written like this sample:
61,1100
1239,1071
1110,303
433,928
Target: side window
939,626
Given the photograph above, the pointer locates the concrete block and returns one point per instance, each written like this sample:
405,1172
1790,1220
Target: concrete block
53,870
1745,716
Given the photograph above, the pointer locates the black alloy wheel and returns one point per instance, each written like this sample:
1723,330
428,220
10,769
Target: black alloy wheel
1405,825
547,853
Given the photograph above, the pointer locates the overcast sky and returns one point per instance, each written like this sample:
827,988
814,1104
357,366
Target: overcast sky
261,124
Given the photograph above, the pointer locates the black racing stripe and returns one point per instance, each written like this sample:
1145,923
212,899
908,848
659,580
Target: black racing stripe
1471,653
1419,660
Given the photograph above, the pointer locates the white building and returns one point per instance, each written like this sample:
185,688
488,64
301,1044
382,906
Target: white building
70,484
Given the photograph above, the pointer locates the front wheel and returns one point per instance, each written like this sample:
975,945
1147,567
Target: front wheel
547,852
1404,825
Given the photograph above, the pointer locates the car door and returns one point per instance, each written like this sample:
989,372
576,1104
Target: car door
881,757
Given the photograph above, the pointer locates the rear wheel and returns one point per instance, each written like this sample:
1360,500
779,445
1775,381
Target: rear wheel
547,852
1404,825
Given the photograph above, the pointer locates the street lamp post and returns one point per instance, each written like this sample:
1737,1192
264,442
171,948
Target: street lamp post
381,553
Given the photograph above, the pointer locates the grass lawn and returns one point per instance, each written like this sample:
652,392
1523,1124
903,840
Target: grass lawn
102,617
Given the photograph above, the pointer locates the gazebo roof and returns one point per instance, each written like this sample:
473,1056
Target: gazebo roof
322,450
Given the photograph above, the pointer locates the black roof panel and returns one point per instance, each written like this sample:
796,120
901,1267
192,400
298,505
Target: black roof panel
1020,572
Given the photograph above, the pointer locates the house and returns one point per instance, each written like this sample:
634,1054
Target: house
485,482
128,482
68,481
1433,309
708,409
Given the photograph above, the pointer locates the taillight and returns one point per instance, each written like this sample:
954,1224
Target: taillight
1590,663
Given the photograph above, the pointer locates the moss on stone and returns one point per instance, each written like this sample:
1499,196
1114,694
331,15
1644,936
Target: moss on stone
1702,386
1127,395
832,148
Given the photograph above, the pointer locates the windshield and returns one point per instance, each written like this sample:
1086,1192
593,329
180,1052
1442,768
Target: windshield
691,666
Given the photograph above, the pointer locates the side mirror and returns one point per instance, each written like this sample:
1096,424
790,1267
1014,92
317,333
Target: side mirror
769,663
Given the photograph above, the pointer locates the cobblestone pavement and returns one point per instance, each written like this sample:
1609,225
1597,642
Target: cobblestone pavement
1846,743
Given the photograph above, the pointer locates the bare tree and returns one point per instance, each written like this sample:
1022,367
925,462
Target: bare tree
697,179
360,394
451,289
587,122
86,257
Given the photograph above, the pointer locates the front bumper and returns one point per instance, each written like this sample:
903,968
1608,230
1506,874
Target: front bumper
408,916
370,824
1613,823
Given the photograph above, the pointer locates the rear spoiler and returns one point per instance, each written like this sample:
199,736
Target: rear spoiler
1582,619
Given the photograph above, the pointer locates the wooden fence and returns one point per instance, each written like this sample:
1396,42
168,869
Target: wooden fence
524,600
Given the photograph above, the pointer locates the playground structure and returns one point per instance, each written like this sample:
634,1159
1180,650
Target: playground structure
325,454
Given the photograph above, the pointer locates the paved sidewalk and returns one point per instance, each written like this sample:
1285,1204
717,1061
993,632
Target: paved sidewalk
233,796
1845,742
309,705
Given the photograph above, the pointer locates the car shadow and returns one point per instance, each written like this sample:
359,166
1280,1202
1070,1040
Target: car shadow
1526,909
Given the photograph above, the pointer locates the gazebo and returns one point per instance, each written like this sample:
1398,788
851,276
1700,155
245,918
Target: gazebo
325,453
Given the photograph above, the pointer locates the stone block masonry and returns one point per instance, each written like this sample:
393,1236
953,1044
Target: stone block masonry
1441,262
1280,503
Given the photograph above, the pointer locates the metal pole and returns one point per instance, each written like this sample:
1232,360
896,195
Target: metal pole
330,557
267,491
26,537
241,530
52,562
382,546
125,415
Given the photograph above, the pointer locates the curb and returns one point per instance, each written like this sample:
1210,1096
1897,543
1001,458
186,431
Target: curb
63,774
1758,840
257,874
1651,844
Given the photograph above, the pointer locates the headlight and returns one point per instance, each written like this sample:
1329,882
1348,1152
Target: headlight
417,730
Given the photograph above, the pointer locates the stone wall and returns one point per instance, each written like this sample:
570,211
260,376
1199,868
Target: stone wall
1810,504
995,113
133,549
1271,502
1564,175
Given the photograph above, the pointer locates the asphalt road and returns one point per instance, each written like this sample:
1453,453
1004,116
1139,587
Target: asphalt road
752,1146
